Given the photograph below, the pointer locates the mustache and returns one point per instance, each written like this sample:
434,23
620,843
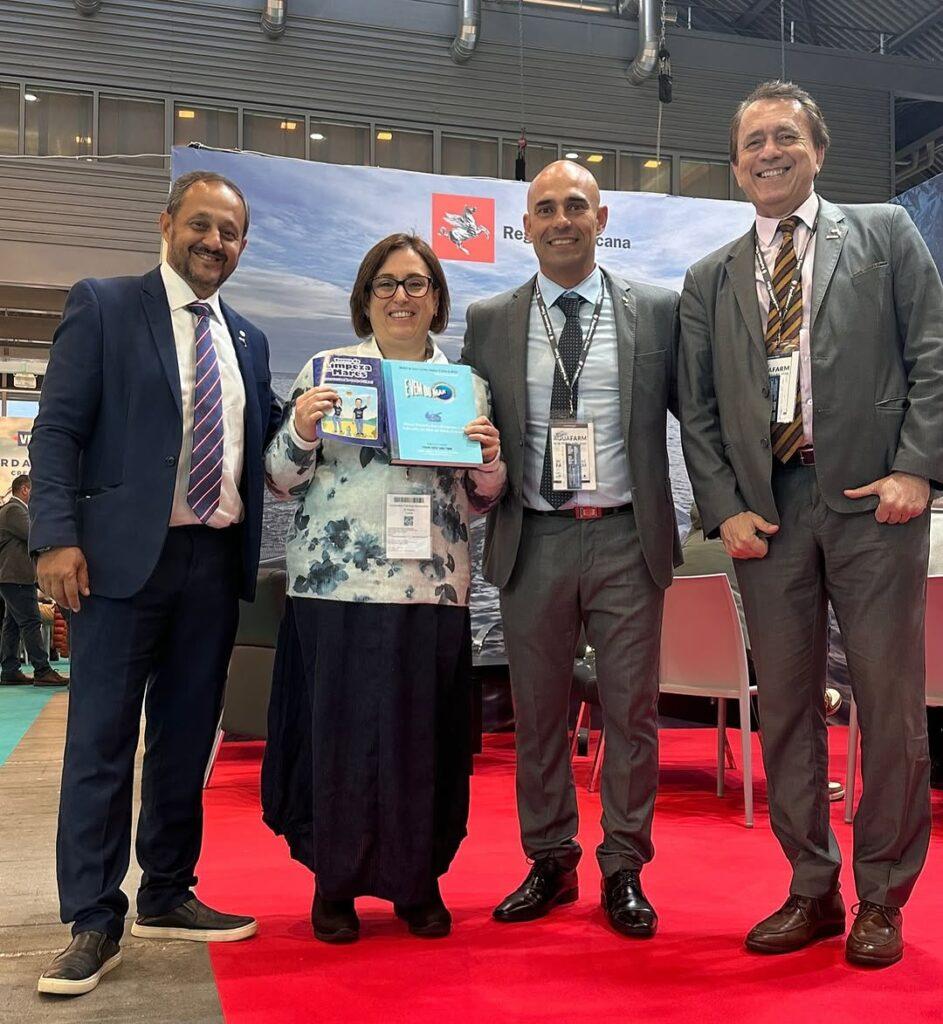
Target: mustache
203,250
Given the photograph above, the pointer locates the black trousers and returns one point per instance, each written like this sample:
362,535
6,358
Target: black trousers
168,648
21,618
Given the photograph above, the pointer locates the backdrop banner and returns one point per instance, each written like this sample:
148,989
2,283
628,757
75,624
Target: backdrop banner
924,203
312,223
14,451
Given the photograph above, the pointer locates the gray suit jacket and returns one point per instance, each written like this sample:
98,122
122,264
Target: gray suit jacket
877,365
647,339
16,566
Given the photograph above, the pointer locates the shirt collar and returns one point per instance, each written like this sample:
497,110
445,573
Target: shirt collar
588,289
16,497
369,347
766,227
180,294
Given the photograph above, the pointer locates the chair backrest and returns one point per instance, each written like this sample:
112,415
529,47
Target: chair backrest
702,648
934,640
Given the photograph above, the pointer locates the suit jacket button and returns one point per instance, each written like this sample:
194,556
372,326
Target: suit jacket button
171,460
764,442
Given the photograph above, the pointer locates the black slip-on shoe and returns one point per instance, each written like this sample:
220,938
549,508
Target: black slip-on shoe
334,920
197,922
81,966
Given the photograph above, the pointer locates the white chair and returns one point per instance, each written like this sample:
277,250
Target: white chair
934,648
703,653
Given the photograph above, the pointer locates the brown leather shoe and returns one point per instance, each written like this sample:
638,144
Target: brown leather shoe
876,938
800,921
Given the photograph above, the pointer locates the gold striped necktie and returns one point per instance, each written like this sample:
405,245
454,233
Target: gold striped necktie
787,438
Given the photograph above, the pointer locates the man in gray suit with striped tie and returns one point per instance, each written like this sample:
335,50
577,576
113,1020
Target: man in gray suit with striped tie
841,307
584,537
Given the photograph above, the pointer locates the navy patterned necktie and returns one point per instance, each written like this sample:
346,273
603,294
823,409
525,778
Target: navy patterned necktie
206,460
571,345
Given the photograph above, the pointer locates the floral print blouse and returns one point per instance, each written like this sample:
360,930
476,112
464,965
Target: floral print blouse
335,544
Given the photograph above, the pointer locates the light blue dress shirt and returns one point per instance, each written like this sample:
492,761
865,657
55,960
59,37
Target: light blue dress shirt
597,401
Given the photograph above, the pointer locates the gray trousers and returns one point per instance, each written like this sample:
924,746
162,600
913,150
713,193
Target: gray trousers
875,576
572,573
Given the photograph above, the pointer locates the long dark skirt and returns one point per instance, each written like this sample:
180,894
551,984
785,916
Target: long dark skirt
369,750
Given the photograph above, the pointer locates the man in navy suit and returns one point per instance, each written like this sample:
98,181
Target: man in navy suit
146,518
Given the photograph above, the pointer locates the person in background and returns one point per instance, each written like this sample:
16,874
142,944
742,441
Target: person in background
18,589
146,523
366,769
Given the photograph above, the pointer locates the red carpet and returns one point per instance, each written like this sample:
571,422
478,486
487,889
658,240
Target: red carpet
710,881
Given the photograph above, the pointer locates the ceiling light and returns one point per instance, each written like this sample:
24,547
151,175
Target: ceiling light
288,126
384,136
594,158
317,137
571,156
83,140
186,115
652,165
30,97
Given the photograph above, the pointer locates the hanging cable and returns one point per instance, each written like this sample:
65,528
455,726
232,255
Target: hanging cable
664,80
520,163
782,40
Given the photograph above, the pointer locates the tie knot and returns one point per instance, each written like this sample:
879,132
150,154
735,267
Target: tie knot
570,303
788,226
200,308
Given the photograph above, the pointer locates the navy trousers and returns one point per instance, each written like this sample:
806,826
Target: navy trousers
168,648
21,619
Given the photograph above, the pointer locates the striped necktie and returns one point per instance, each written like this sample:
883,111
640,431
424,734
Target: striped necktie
206,460
571,345
787,438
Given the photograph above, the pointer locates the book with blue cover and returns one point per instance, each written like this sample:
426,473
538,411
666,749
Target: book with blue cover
357,416
428,406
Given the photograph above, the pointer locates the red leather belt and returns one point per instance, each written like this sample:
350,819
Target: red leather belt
806,456
581,511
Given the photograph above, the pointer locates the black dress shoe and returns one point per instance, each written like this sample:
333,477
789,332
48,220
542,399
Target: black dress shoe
876,938
628,910
546,886
16,678
334,920
80,967
798,922
428,920
197,922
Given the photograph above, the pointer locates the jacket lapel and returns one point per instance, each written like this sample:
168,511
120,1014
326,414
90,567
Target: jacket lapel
240,342
829,239
741,263
157,312
518,312
625,314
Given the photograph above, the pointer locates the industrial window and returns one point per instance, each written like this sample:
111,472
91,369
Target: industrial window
477,158
644,173
277,134
538,155
601,163
213,126
338,143
705,179
127,125
405,150
9,118
58,123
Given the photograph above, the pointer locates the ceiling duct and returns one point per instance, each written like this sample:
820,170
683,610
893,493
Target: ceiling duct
274,17
88,6
469,26
646,59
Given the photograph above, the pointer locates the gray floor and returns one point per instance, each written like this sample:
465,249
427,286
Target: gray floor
157,982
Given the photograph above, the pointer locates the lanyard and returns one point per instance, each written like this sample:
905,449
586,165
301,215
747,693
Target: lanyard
555,348
793,284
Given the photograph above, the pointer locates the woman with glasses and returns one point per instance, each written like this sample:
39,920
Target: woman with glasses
367,764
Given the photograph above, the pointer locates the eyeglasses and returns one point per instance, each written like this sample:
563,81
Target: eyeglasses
415,286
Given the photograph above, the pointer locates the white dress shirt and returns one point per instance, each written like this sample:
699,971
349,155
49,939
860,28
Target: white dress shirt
179,296
770,241
598,398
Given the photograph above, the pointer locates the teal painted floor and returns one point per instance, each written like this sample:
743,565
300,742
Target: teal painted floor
19,708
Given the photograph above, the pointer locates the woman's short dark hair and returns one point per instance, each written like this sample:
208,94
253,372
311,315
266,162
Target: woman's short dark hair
778,90
181,186
370,265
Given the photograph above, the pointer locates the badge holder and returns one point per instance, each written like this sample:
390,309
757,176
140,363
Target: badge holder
573,455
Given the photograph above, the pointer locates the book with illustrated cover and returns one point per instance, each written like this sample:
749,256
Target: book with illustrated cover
357,416
428,406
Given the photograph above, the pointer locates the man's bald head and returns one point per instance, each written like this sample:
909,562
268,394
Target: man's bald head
563,220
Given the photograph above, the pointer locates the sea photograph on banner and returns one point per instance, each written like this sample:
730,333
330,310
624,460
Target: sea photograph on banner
312,223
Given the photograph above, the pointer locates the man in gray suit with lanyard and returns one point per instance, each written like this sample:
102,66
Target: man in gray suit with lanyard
840,310
582,368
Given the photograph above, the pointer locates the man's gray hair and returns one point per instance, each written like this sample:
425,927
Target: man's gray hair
180,187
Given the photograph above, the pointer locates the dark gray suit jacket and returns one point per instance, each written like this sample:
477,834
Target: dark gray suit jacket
647,339
877,365
16,566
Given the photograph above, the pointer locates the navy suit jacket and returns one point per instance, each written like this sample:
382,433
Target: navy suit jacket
107,436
